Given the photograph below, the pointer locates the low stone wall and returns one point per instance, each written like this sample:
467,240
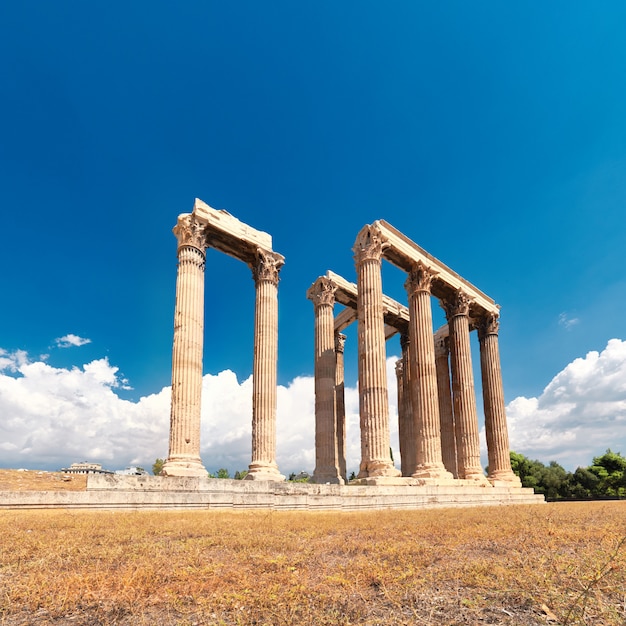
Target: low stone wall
155,492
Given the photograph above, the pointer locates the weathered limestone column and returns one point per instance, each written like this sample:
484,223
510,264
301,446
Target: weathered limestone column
184,446
340,406
463,393
446,416
423,375
405,411
373,393
322,294
493,399
264,369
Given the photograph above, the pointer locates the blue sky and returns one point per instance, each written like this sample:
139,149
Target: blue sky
492,134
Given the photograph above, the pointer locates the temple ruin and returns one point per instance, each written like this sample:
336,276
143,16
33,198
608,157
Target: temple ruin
437,413
437,409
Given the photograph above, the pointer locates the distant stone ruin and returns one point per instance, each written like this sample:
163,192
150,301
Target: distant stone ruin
438,423
83,467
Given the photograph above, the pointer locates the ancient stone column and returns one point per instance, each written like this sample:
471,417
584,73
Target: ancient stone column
322,294
184,445
340,404
423,375
446,416
264,368
405,411
493,400
463,393
373,395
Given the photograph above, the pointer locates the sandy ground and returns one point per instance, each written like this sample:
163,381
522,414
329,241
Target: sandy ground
37,480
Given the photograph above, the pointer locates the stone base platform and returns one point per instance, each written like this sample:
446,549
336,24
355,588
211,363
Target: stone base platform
193,493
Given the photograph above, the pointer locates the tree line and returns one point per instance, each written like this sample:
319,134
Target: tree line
604,478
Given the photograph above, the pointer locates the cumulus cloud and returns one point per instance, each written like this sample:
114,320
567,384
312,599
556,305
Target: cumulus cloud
11,361
69,341
226,430
580,414
54,416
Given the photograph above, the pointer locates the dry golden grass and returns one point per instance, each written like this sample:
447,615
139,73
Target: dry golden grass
542,564
31,480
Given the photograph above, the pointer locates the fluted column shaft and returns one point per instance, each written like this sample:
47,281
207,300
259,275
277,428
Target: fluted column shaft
463,393
493,398
340,404
423,376
264,368
322,293
373,393
446,416
184,443
405,413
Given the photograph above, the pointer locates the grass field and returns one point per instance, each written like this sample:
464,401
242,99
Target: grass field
522,565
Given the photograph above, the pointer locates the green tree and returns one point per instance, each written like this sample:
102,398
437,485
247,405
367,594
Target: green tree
157,466
583,484
550,480
240,475
524,468
610,469
553,479
223,473
605,478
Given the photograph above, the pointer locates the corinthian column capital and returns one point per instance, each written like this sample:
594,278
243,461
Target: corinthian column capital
369,245
405,342
340,342
459,304
420,278
442,346
399,368
189,232
489,325
322,292
266,266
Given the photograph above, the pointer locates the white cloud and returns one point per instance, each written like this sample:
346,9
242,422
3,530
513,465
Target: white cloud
568,322
580,414
227,422
69,341
11,361
53,416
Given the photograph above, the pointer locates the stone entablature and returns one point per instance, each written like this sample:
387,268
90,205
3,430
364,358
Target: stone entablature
229,235
405,254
